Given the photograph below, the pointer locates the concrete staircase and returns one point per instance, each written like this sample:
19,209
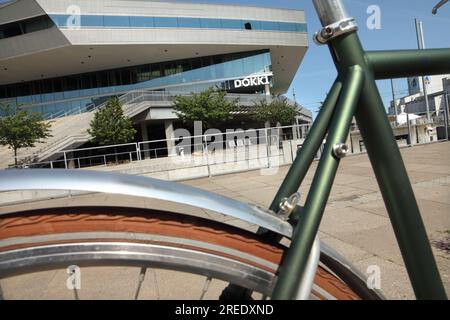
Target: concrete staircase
70,132
67,133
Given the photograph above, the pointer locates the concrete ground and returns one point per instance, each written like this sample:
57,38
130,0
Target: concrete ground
355,222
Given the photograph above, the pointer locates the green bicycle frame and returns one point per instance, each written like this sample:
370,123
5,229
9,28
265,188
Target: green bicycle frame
355,93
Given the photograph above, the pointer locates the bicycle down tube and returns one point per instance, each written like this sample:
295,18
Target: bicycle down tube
360,97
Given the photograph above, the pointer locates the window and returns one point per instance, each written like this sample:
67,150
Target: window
166,22
125,76
102,79
155,73
25,26
269,25
142,22
91,21
72,83
170,69
133,75
301,27
46,86
255,25
232,24
11,30
35,25
210,23
85,81
286,26
116,21
188,22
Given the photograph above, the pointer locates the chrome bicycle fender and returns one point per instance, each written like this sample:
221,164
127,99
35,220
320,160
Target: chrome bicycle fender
138,186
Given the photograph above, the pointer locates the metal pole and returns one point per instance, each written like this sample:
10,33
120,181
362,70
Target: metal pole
446,120
205,151
409,129
65,160
421,45
330,11
393,100
138,151
290,148
267,148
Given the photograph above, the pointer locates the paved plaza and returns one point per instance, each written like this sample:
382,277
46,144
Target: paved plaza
355,222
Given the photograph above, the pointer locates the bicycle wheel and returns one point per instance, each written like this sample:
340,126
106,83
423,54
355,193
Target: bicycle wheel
110,236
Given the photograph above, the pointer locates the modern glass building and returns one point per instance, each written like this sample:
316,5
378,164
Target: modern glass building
66,55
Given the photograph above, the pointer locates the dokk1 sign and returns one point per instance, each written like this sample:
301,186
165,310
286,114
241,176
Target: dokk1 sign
252,81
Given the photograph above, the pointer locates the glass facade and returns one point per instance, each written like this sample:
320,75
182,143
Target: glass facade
84,91
25,26
111,21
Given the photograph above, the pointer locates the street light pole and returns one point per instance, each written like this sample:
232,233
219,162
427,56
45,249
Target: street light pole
446,120
393,99
421,45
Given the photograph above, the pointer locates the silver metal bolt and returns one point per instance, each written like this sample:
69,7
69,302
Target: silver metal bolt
340,150
327,32
287,205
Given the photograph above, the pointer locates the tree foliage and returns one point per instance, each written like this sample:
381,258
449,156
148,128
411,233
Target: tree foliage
209,106
110,125
277,110
22,129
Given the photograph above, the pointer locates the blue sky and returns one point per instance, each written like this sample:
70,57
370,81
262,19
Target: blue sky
317,72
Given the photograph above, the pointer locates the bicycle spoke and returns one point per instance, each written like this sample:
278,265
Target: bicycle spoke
140,281
205,287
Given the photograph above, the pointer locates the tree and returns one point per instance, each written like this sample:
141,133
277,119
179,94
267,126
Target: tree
209,106
278,110
22,129
110,126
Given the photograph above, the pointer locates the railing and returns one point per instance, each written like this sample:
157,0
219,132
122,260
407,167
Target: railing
254,143
436,120
215,153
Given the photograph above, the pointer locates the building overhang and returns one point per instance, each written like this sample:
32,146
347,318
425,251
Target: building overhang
58,52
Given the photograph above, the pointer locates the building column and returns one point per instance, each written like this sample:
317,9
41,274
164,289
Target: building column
168,125
144,132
